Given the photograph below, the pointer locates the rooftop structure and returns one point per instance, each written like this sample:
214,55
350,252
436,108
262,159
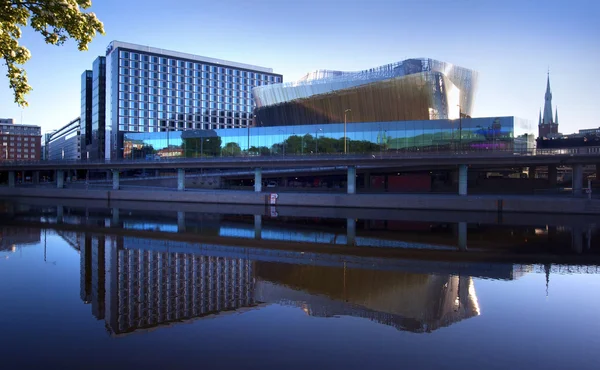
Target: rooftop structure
414,89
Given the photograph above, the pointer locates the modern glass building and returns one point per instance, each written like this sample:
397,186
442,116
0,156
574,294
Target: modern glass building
152,90
414,89
487,133
65,143
93,110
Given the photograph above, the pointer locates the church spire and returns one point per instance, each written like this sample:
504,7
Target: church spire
548,104
540,120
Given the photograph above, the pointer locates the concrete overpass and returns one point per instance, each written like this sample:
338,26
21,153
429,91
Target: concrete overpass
424,160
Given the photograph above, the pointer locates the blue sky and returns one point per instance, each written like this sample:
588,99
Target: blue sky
510,43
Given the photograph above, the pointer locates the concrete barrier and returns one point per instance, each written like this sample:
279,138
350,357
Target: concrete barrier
446,202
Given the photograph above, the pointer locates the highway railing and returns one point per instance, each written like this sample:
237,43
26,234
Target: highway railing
245,158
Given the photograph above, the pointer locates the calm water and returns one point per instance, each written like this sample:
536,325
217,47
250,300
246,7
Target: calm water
128,287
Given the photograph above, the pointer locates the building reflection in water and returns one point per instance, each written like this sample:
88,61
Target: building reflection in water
406,301
139,284
11,238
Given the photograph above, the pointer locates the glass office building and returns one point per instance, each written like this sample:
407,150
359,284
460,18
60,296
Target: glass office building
151,90
414,89
486,133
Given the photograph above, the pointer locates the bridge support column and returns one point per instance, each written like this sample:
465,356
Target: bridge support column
257,227
552,174
351,180
59,214
115,179
462,236
180,179
258,180
351,231
577,239
462,179
577,179
60,179
36,177
180,222
115,217
531,172
11,179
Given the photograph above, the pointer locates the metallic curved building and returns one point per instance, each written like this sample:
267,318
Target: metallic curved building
414,89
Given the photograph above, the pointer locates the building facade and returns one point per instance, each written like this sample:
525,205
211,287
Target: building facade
85,123
486,133
93,110
414,89
65,143
155,90
19,142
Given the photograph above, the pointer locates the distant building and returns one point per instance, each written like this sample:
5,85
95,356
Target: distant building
65,142
19,142
525,143
548,125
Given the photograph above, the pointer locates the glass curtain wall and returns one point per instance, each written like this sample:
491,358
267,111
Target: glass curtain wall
468,134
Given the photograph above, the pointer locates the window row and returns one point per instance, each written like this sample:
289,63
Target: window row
18,138
137,60
154,102
173,74
189,81
167,114
154,94
212,124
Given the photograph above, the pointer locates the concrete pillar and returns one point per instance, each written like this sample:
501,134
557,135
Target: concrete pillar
462,179
531,172
22,177
11,179
462,236
115,179
59,214
156,173
351,180
258,180
108,174
577,239
115,217
60,179
351,231
577,179
36,177
257,227
552,174
180,222
180,179
367,180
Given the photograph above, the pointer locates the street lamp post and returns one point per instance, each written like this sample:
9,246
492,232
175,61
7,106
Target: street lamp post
317,140
459,127
345,113
283,140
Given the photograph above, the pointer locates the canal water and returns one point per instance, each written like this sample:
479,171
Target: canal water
128,285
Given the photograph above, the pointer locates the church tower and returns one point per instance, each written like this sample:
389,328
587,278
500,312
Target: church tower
548,125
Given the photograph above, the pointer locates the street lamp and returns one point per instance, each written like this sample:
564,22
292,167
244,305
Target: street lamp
459,126
283,141
345,113
317,140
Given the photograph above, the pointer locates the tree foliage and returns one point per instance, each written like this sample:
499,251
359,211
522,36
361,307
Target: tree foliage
56,20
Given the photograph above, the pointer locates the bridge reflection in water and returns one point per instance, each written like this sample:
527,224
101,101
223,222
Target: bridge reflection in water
139,284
